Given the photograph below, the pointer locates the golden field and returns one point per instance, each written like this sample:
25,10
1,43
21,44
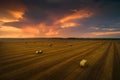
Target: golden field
60,61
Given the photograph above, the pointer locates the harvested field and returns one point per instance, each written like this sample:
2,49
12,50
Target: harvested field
19,61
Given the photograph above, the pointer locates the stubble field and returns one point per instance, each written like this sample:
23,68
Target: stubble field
60,59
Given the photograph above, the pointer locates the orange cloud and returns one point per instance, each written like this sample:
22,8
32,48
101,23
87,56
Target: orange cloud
80,14
30,30
10,28
105,33
43,28
12,16
10,31
67,21
6,19
69,24
13,32
48,30
12,12
17,14
52,32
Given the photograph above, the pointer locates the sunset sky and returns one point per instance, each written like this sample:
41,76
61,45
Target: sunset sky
60,18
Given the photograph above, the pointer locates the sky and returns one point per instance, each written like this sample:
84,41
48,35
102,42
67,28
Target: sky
60,18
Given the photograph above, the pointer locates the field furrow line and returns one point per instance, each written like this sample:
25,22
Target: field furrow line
30,66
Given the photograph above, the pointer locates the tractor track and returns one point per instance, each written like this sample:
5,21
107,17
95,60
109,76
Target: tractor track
116,64
98,67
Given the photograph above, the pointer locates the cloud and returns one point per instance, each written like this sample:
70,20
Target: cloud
10,28
52,32
17,14
11,10
11,16
69,25
69,21
43,28
80,14
10,32
105,28
13,32
105,33
30,30
47,30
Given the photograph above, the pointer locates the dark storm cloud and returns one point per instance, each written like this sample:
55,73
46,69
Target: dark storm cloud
50,10
11,4
106,15
17,24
